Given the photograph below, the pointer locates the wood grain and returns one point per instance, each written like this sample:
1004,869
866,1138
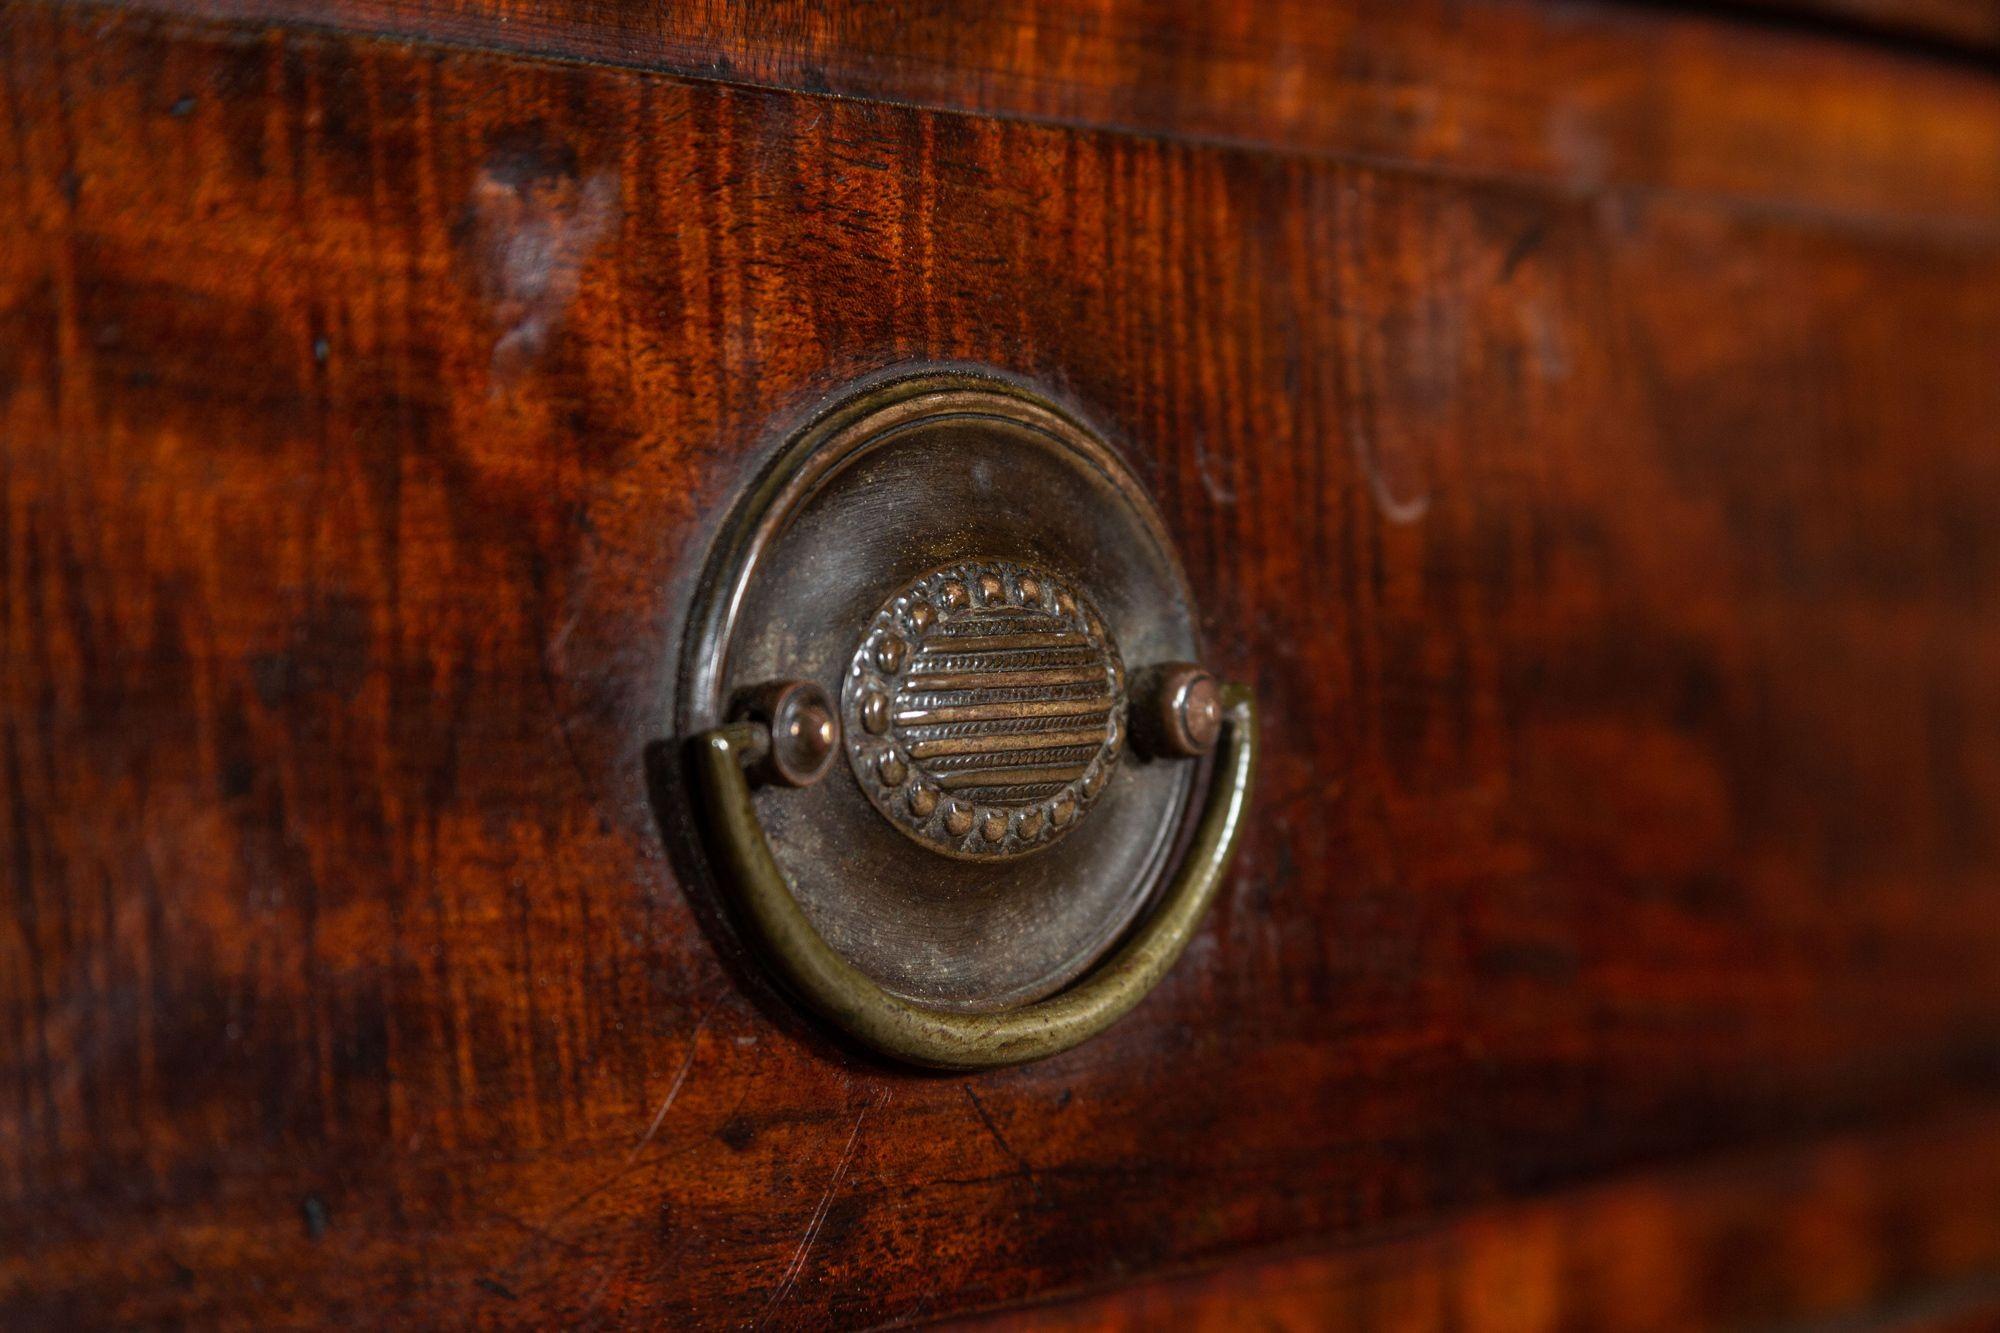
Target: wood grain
1850,1232
1969,26
1578,95
1617,564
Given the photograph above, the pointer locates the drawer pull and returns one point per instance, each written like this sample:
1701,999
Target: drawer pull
942,1038
941,580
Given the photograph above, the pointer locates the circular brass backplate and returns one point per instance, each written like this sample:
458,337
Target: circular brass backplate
881,500
985,709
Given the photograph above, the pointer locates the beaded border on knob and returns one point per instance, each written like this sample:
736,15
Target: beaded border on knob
967,703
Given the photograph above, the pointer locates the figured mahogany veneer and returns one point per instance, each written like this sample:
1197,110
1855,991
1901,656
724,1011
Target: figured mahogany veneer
1582,97
1893,1229
1603,497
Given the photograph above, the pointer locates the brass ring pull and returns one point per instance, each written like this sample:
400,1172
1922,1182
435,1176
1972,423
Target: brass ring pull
949,1039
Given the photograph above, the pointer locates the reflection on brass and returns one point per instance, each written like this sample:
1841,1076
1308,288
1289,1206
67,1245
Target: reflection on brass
1007,693
802,728
1180,713
948,1038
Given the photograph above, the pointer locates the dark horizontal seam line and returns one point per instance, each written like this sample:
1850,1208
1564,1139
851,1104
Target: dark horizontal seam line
1928,43
1956,225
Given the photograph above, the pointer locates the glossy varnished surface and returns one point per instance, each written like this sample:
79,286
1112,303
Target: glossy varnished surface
1614,555
1893,1229
1966,28
1580,96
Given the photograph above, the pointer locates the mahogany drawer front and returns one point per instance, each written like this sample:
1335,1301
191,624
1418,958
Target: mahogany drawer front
1587,452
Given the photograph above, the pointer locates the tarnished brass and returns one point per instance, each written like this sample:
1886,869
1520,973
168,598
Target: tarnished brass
985,709
1181,711
802,731
945,541
943,1038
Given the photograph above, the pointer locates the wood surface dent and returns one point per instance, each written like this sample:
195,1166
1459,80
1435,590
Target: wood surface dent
367,410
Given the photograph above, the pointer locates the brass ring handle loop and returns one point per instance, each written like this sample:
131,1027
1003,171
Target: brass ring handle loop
949,1039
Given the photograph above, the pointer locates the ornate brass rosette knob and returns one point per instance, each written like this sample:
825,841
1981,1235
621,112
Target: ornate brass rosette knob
985,709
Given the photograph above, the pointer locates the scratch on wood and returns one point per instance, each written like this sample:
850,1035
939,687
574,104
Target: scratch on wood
818,1219
1026,1167
673,1089
542,1234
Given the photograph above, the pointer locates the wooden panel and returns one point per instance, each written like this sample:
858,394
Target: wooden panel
1584,95
1862,1231
1618,567
1973,25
